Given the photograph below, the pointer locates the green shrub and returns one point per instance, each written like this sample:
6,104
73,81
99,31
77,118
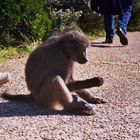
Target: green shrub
134,24
75,13
27,18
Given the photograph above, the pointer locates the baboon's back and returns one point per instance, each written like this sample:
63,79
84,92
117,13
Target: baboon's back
43,63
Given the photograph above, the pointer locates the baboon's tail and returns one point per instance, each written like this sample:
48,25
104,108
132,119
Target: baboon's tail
15,97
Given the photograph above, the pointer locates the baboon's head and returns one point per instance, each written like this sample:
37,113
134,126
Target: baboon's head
76,44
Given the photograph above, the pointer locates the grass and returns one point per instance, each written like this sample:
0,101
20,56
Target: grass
16,52
95,36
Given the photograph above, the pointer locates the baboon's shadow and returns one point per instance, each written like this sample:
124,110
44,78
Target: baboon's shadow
15,108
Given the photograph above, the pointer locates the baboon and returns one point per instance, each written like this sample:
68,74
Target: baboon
48,74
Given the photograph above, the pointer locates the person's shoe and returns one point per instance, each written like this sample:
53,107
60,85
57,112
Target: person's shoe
4,77
108,40
122,36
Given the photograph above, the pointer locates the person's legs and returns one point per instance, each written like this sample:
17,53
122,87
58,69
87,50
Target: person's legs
109,28
124,18
122,24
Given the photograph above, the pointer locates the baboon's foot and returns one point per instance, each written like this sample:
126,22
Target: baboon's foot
86,112
78,105
83,112
97,101
98,81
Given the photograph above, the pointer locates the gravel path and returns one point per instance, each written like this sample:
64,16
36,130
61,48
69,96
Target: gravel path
118,119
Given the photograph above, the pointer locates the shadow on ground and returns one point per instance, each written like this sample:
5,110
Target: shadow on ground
104,45
14,108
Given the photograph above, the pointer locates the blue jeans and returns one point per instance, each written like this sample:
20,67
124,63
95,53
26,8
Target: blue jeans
123,20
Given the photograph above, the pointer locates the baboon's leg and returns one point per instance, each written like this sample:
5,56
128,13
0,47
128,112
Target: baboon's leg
88,97
56,90
88,83
52,90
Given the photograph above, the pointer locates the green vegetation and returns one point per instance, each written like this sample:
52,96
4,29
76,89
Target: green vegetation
135,19
11,53
16,52
22,18
75,13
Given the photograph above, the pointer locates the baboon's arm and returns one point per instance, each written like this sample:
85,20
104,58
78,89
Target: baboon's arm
88,83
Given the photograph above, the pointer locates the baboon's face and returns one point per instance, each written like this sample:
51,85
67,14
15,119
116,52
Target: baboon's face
80,55
78,52
77,43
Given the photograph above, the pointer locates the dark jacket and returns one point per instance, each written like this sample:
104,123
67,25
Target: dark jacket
109,6
126,3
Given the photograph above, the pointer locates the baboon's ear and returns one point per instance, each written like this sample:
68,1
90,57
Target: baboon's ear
72,36
69,35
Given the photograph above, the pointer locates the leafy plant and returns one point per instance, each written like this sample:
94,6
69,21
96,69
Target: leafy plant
73,13
28,17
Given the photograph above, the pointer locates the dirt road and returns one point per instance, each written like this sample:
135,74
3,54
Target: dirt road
118,119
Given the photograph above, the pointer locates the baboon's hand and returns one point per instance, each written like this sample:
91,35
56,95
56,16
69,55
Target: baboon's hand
87,112
97,101
96,81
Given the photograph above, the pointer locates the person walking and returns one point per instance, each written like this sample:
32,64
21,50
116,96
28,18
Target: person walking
109,8
123,21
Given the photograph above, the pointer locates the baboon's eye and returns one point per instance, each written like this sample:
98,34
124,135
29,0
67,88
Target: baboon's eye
84,52
85,45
